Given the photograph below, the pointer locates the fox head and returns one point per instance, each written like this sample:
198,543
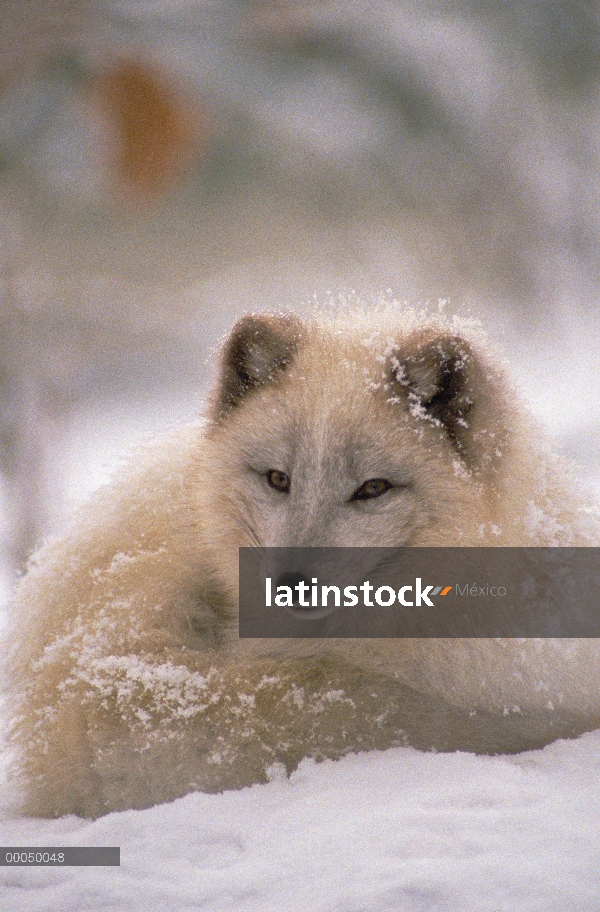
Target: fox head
362,434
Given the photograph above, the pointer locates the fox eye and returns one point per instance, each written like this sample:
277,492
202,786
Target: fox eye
278,480
374,487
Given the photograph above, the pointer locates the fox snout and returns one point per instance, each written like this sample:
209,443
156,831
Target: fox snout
300,585
292,579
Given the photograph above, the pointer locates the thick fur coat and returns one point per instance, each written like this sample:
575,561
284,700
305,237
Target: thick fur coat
127,682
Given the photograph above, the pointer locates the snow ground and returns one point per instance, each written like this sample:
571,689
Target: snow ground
397,831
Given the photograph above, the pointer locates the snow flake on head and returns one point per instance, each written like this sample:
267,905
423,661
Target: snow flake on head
372,386
417,409
459,469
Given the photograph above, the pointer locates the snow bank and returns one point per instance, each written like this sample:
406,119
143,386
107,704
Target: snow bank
397,831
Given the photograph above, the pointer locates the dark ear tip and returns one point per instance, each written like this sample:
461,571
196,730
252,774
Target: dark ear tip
439,356
260,321
259,347
438,374
264,329
444,348
272,335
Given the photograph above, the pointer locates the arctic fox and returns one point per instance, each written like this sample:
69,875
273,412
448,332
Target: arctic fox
128,684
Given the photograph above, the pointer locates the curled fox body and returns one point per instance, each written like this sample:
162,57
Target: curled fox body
128,684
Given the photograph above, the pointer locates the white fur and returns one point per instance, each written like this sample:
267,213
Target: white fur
127,682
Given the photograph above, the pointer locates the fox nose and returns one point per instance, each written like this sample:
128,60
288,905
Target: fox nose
308,611
292,579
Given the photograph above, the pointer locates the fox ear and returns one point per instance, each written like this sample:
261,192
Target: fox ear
259,349
440,376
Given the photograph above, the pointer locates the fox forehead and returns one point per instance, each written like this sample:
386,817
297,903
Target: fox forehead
331,381
303,423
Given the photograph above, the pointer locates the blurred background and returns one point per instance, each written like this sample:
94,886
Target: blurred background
166,165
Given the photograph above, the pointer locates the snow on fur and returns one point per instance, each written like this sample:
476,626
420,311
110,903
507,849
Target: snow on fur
127,682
